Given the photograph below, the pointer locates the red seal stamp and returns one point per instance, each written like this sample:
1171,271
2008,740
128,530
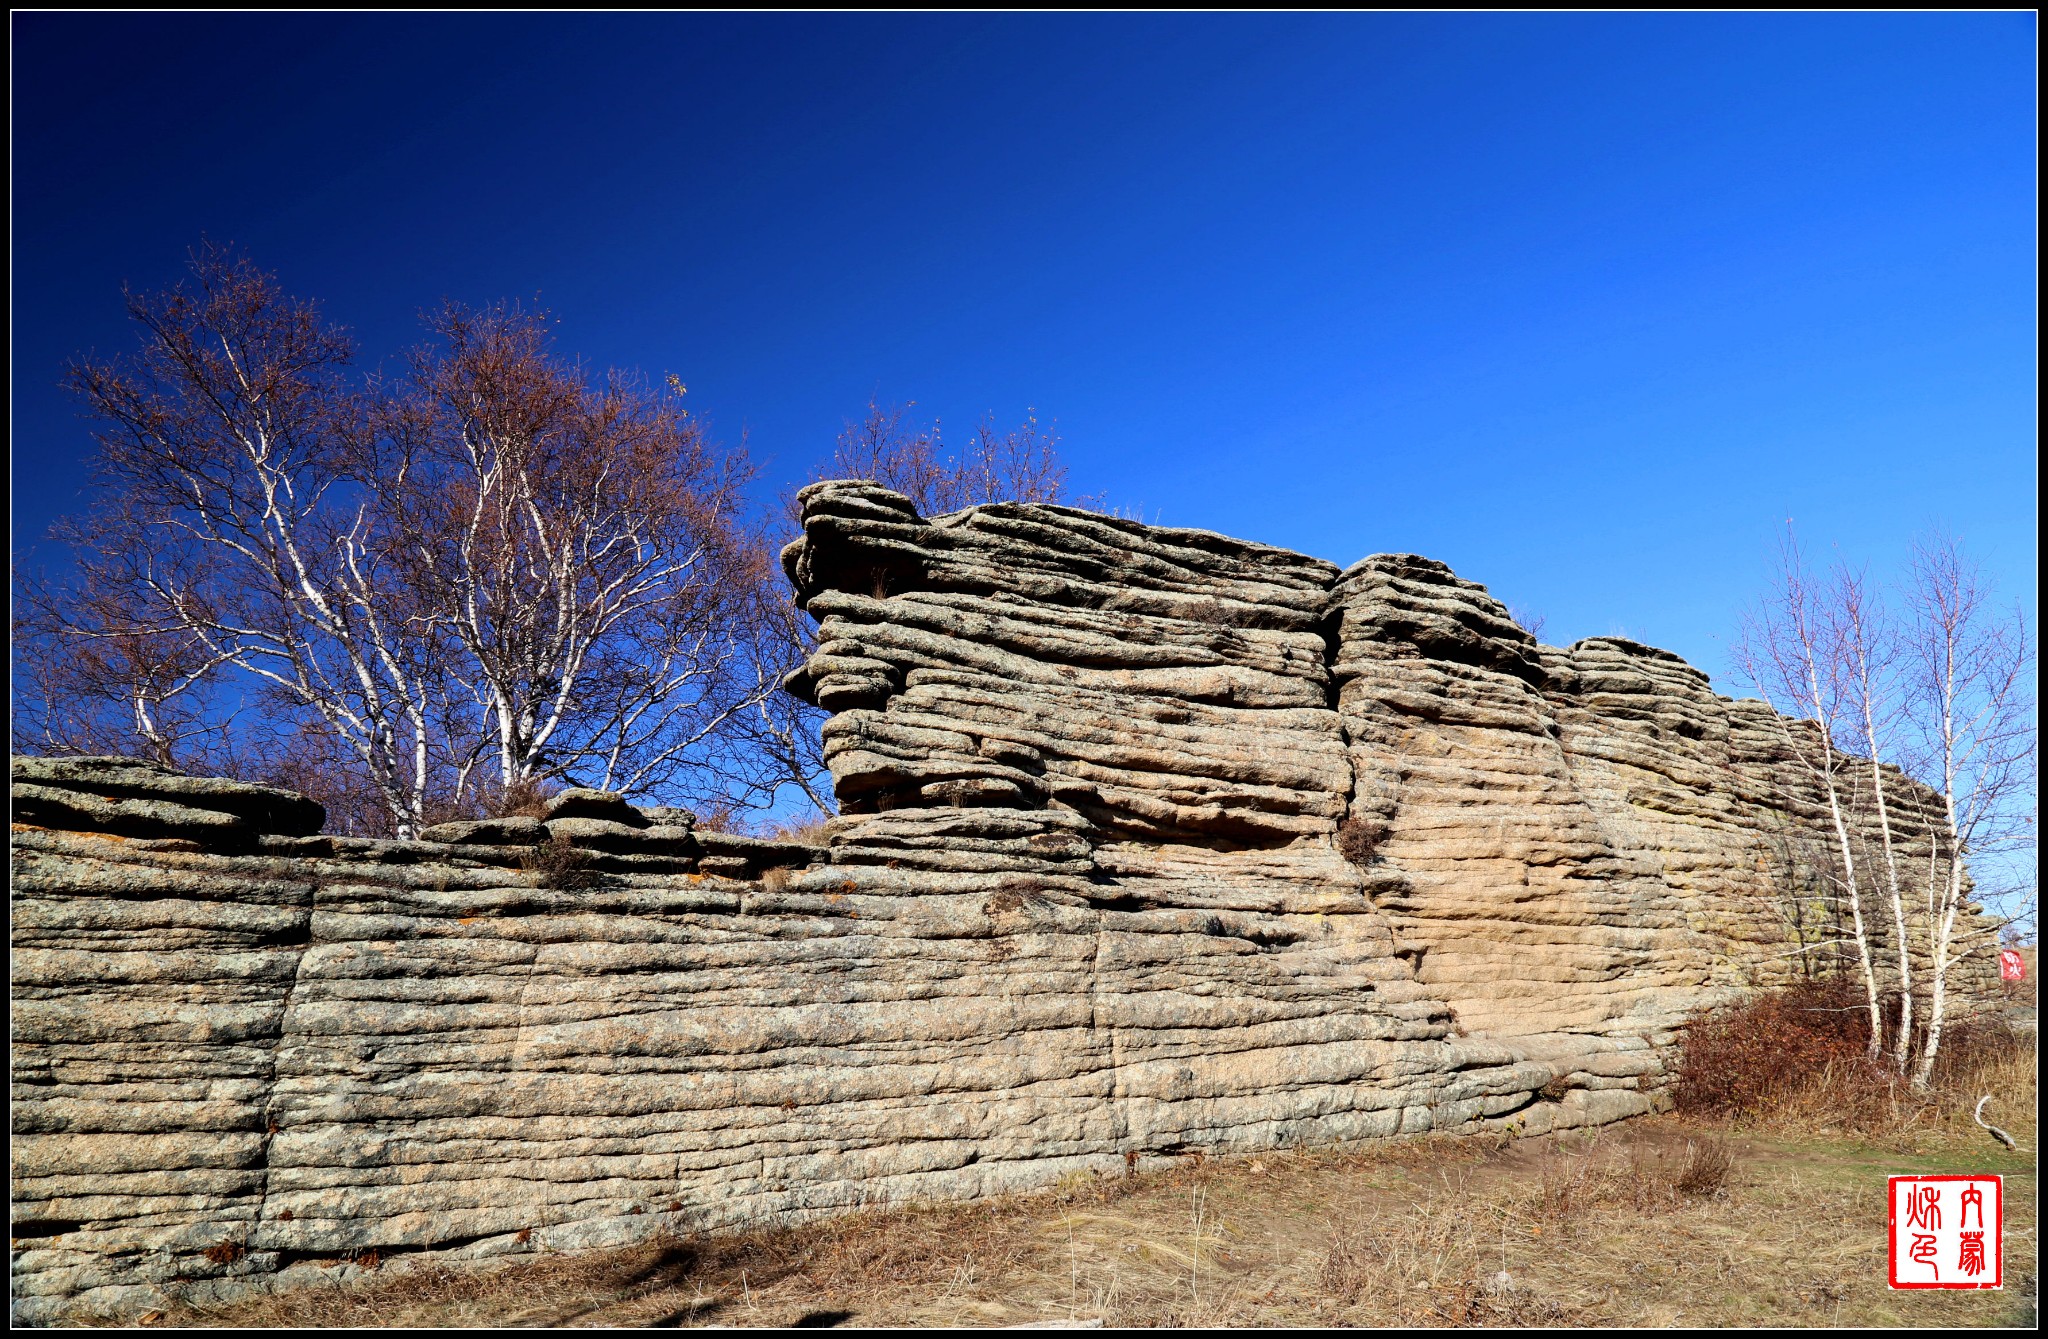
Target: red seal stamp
1947,1232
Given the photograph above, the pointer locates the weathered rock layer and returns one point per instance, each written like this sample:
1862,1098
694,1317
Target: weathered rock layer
1152,842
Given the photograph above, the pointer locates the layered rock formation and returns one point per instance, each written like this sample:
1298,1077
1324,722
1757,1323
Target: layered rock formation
1153,842
1584,840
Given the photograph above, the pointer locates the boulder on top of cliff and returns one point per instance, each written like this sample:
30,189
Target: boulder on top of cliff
583,802
488,832
605,834
129,797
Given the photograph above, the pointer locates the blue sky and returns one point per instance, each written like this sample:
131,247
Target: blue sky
1584,305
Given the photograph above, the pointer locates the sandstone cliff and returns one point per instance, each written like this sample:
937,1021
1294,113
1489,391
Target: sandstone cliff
1153,842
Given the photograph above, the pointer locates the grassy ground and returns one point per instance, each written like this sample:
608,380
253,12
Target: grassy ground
1663,1221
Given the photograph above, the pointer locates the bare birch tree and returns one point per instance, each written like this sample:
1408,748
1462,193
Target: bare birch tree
220,439
1793,651
1971,668
582,543
493,569
1869,647
95,674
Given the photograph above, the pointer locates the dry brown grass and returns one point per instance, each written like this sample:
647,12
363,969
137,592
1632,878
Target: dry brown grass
807,833
1986,1057
527,798
1703,1174
1656,1222
1649,1179
561,866
1795,1059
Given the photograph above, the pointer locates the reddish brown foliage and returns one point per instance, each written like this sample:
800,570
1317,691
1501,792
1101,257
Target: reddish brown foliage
1358,839
1745,1060
561,866
410,596
1020,465
1795,1057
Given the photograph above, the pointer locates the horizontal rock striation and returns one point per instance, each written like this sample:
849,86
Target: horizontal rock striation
1152,843
1583,839
281,1065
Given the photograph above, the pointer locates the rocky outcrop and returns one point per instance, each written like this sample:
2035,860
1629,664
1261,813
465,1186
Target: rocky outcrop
1153,842
1582,840
1585,839
122,795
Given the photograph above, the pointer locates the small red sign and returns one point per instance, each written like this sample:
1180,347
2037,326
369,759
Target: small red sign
1947,1232
2011,967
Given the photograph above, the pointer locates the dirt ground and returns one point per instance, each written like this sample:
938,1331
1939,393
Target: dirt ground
1656,1222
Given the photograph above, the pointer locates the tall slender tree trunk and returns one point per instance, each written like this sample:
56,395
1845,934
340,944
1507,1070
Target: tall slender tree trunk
1937,993
1904,1045
1942,931
1822,719
1875,1049
1902,1048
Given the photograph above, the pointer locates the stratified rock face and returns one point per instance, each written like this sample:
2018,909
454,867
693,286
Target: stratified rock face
1544,840
1529,919
1585,839
1166,685
259,1067
1153,842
